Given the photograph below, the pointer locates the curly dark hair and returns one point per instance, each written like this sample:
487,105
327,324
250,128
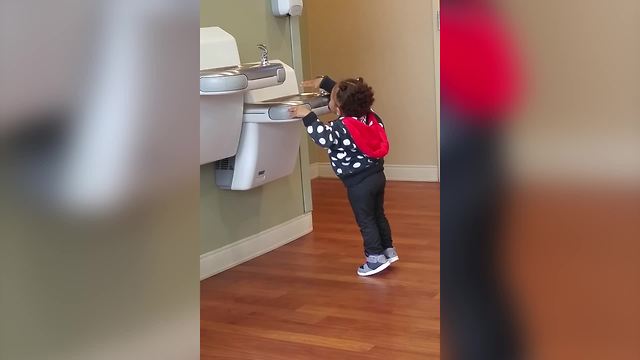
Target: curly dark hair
354,97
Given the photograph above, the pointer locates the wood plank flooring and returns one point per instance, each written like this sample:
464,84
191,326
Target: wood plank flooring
305,301
572,254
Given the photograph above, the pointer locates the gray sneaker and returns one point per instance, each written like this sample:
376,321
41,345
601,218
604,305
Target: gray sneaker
391,255
374,265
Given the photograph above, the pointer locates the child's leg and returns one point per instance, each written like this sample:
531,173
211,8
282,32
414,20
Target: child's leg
381,220
363,202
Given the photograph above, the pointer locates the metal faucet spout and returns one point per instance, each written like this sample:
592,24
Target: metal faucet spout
264,59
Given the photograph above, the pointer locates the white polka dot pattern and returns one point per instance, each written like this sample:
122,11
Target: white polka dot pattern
346,158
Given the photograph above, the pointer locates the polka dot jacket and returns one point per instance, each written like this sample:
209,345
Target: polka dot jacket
346,159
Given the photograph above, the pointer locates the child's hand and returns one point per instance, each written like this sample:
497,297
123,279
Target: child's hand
298,111
313,83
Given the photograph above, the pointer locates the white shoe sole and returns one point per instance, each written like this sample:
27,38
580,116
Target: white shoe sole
375,271
393,259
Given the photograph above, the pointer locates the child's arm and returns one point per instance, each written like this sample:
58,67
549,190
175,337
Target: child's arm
323,82
327,84
322,134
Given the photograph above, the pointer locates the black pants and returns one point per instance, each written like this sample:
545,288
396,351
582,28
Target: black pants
477,321
367,202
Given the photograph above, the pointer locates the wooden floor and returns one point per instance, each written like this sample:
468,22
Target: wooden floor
573,255
305,301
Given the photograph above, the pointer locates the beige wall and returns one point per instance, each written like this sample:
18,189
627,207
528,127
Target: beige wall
229,216
580,120
390,44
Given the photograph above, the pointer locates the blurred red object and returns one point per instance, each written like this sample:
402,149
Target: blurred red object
481,73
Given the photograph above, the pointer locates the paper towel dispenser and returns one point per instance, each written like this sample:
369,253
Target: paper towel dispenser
223,84
287,7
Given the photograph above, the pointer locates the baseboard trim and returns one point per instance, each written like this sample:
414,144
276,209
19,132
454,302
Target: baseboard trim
222,259
425,173
314,170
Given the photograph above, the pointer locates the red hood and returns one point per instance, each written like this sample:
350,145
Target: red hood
480,65
369,137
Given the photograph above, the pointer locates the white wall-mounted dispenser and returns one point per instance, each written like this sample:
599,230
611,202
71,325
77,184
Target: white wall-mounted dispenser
286,7
223,83
270,139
